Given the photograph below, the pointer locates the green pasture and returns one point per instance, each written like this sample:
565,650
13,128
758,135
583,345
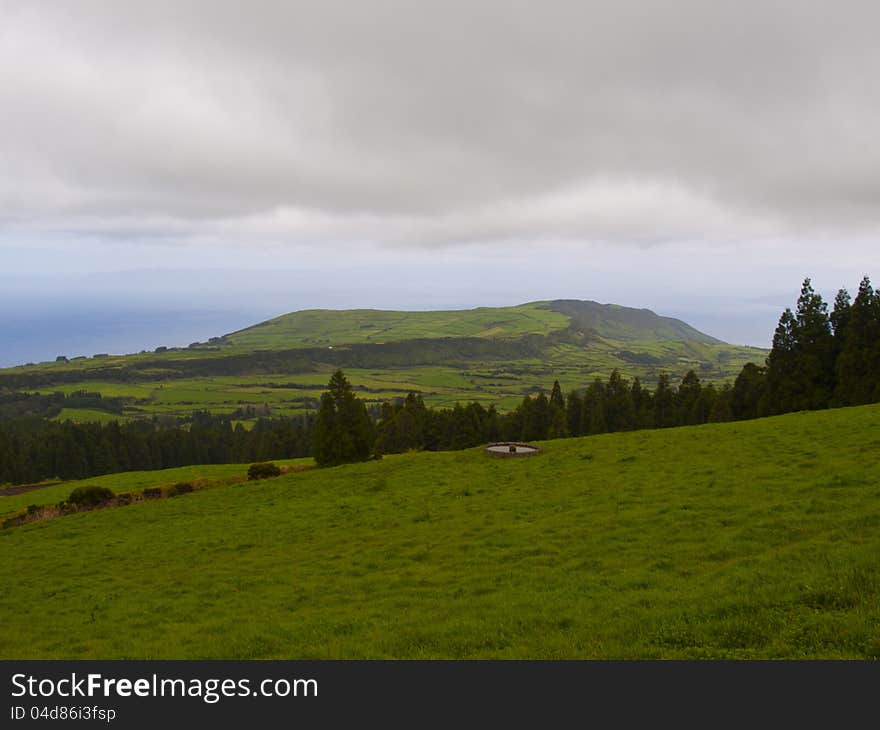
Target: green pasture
133,481
756,539
317,327
85,415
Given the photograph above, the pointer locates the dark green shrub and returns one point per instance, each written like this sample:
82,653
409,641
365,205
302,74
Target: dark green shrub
89,496
263,471
180,488
32,509
152,493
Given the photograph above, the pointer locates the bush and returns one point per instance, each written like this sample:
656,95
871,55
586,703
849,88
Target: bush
263,471
152,493
90,496
180,488
124,498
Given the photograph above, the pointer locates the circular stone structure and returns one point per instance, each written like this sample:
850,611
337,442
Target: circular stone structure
511,448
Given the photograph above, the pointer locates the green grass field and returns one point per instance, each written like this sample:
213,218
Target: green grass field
86,415
756,539
133,481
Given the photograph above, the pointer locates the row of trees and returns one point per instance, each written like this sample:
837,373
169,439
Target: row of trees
15,404
821,360
617,404
32,450
818,360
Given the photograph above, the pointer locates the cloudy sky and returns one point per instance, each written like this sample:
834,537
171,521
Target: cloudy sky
247,159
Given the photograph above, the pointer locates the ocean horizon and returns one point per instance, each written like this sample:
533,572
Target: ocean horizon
33,336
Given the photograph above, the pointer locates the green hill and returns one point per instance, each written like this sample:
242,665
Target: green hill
492,355
756,539
330,327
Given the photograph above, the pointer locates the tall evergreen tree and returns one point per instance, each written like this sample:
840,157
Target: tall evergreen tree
815,350
721,408
556,398
840,314
748,396
857,364
573,408
558,419
642,405
800,367
536,419
782,365
620,413
687,398
593,412
343,431
664,403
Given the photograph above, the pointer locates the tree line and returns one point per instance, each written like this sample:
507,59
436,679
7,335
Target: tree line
818,360
34,449
822,360
15,404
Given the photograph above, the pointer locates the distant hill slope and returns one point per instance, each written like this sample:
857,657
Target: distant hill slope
328,327
495,355
626,324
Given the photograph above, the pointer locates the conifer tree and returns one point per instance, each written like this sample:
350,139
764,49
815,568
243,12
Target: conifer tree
687,398
721,408
536,419
664,403
343,431
573,407
839,323
815,351
557,426
593,412
840,314
642,405
748,396
619,409
857,364
800,367
556,399
782,365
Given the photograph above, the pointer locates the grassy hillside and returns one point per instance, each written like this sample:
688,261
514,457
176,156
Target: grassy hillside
133,481
626,324
742,540
492,355
336,327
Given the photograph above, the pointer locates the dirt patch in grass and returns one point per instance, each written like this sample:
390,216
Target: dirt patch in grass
23,488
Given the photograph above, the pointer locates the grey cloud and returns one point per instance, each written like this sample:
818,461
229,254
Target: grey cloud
432,123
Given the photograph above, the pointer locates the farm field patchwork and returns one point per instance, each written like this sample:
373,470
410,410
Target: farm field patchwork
494,355
501,384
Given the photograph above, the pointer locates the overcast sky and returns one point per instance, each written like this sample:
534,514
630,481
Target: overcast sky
696,158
